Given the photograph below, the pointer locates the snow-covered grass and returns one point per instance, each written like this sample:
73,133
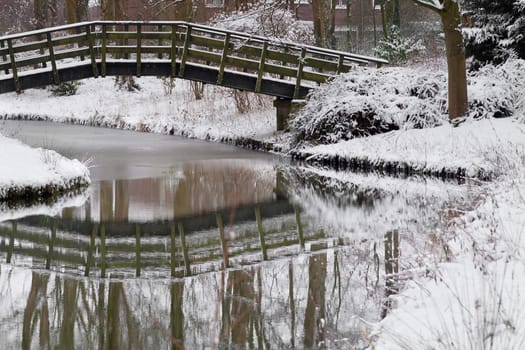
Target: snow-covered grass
475,301
29,173
99,102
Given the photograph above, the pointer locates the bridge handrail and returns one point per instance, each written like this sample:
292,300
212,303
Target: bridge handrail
180,49
202,27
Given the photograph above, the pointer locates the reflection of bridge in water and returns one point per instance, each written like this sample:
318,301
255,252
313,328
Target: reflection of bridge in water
183,246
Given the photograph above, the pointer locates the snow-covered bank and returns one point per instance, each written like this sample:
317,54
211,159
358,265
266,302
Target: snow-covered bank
98,102
474,301
395,120
34,174
472,149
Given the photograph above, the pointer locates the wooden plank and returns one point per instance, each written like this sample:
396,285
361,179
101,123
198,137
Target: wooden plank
13,65
243,63
159,50
139,47
185,51
315,76
103,52
92,51
261,67
4,54
70,39
159,38
223,59
71,53
208,42
30,46
282,71
31,61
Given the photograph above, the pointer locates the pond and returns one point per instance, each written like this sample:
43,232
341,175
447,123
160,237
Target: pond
186,244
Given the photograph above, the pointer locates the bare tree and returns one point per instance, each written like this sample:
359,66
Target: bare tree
449,11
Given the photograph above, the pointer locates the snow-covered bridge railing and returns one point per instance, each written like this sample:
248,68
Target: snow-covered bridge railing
176,49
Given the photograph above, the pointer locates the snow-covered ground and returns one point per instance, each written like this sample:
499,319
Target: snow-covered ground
99,102
36,169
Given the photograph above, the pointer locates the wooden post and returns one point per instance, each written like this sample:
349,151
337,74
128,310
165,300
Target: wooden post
11,242
260,72
126,42
224,243
13,65
185,51
223,58
340,64
299,73
103,251
159,30
139,49
4,56
261,233
137,251
299,227
103,50
187,265
173,53
51,244
91,248
173,250
50,48
92,51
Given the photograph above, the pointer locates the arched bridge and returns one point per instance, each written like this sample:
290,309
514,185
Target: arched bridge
175,49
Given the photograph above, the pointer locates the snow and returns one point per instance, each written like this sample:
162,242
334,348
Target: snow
474,146
99,102
23,166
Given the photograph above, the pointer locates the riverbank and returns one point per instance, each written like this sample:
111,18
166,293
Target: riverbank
33,175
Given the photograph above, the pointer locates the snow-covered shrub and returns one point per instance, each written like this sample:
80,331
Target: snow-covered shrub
368,101
397,48
68,88
497,91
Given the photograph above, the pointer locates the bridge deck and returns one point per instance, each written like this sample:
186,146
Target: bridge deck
176,49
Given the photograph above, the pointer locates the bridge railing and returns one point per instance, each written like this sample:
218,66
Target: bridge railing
176,45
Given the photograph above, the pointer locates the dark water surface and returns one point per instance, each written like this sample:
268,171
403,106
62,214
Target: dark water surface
191,245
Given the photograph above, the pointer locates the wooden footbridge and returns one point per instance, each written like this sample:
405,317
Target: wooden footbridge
172,49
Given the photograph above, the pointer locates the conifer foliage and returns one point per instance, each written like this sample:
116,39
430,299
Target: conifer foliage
496,31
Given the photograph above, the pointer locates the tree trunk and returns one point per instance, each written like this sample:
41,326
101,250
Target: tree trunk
456,62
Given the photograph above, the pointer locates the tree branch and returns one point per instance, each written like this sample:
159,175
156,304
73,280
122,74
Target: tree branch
431,5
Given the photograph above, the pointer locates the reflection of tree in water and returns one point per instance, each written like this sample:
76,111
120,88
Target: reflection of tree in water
315,313
36,308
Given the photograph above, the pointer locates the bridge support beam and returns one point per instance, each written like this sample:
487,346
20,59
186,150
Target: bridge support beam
283,108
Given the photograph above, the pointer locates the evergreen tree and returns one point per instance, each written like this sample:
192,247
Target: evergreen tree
497,31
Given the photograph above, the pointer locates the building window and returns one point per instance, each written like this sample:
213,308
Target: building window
376,4
341,4
214,3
